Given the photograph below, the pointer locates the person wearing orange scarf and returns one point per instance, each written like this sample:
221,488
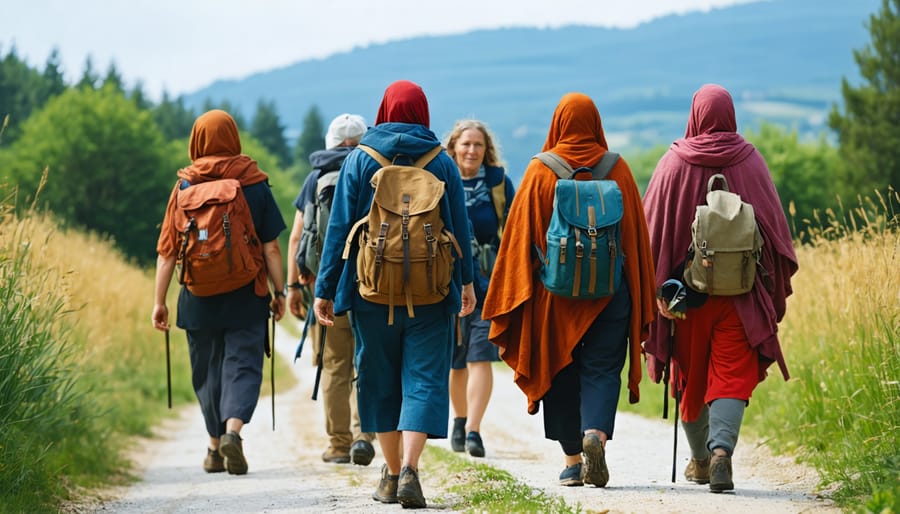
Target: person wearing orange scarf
226,332
569,353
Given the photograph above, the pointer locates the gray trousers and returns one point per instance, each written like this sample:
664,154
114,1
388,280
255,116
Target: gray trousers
717,426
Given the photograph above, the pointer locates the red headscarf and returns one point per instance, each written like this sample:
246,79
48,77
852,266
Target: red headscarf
403,102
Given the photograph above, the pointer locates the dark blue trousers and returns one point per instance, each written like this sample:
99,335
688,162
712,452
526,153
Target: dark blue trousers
584,395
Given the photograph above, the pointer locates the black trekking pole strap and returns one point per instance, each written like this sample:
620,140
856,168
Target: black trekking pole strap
168,370
319,361
272,372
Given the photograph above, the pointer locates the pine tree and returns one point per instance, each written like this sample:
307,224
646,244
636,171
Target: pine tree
312,137
267,128
867,131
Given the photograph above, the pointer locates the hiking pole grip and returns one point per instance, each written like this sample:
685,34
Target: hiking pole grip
168,370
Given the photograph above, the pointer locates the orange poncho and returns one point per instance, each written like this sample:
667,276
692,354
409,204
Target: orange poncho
536,330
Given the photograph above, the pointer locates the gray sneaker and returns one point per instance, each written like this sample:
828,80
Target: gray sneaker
720,474
595,470
232,449
387,488
409,490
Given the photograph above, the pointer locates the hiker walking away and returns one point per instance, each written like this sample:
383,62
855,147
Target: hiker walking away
725,344
403,350
567,354
345,441
489,193
226,330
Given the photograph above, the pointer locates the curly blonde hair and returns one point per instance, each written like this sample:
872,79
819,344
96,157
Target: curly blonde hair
491,150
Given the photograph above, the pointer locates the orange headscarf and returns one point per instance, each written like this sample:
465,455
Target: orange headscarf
536,330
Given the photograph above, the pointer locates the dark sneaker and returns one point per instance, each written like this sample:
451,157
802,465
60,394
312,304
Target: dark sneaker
571,476
595,471
409,490
336,456
231,448
387,488
697,471
720,474
213,463
474,445
362,452
458,436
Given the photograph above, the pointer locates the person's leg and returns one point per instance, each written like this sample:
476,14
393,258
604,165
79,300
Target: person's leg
481,376
337,372
205,349
697,433
562,419
459,377
241,380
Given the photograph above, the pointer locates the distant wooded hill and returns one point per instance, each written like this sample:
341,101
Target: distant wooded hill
783,61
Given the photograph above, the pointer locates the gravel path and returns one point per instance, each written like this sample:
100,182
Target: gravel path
287,475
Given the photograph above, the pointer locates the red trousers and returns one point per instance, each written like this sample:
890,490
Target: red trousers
712,357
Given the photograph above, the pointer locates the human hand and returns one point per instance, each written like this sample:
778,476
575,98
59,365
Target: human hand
468,300
160,317
324,311
295,302
277,306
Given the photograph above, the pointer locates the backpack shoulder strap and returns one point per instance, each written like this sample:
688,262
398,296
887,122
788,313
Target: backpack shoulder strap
557,164
602,168
373,153
428,157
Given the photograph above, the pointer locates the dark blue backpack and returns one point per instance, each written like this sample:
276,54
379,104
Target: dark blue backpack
584,257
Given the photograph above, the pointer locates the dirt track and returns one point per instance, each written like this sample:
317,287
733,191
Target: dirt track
287,475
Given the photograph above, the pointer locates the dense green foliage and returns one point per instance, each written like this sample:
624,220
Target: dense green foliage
268,130
108,165
867,130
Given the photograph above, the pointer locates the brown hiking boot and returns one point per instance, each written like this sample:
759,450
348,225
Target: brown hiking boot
337,456
387,488
213,463
697,471
595,470
409,490
720,474
232,449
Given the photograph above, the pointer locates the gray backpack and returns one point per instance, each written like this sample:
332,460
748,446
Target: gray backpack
725,244
315,222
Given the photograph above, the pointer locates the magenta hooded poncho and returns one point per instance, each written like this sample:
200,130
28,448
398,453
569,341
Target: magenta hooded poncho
712,145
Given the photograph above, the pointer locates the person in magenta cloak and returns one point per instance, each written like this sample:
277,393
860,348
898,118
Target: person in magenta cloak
726,343
403,368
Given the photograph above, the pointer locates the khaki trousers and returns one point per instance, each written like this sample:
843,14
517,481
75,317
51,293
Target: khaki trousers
338,391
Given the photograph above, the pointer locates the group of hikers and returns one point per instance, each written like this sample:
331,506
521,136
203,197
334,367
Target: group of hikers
433,266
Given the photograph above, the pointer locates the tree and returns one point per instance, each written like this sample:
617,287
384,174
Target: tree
113,78
312,137
89,77
267,129
867,130
110,169
53,81
173,118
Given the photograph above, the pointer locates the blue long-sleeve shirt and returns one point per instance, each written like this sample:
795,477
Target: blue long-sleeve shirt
353,197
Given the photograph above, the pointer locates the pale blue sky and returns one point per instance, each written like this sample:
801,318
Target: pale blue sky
181,46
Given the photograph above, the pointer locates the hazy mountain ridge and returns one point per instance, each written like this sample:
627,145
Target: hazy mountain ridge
783,60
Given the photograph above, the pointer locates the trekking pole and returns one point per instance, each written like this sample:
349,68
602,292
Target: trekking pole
168,370
677,400
272,372
319,359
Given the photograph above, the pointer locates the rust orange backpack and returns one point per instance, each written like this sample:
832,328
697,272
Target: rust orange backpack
219,250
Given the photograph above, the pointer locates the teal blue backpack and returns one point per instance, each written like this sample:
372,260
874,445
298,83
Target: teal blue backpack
584,257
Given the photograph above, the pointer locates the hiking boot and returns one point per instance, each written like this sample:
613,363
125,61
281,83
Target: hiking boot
231,448
362,452
387,488
595,471
474,445
697,471
571,476
336,456
409,490
458,436
213,463
720,474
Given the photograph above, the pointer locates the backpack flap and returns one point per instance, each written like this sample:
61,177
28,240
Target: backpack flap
204,193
